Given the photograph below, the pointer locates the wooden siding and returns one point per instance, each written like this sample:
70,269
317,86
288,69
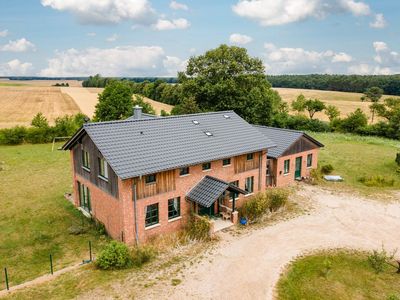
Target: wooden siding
110,186
165,182
302,144
241,164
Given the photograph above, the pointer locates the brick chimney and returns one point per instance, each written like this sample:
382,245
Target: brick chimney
137,112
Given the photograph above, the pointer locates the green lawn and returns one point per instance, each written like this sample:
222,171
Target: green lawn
355,156
350,277
35,217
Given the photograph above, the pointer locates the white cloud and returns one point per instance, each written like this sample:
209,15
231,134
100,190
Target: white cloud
163,24
3,33
105,11
241,39
279,12
301,61
176,6
15,68
117,61
341,57
386,60
112,38
379,22
173,64
20,45
91,34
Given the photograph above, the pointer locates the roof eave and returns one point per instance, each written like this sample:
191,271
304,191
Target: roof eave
71,142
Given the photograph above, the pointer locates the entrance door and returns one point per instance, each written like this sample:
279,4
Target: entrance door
206,211
297,173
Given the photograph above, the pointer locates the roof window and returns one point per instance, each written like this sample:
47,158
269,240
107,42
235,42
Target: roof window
227,117
195,122
208,133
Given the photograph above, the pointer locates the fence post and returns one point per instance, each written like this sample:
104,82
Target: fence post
51,264
6,274
90,250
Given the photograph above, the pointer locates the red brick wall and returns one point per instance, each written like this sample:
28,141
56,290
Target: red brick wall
288,179
118,214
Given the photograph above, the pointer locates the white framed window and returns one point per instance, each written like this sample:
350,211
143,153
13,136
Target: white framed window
103,168
174,208
309,160
150,179
286,166
84,197
249,185
85,160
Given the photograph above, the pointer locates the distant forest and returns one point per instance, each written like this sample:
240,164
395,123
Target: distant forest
390,84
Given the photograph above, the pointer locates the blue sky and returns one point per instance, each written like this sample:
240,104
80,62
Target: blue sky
155,38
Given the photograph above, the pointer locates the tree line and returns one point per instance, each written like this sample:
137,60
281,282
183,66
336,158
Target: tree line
390,84
99,81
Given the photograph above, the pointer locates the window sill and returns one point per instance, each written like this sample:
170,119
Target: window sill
174,219
310,167
151,183
152,226
103,178
208,170
250,194
224,166
185,175
86,169
287,174
85,212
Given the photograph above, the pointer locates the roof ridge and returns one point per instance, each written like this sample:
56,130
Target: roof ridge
279,129
216,179
157,118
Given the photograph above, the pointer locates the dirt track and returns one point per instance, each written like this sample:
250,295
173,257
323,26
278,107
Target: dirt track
248,267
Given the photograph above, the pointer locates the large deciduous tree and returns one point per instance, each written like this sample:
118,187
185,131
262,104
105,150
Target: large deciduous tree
227,78
115,102
372,94
313,106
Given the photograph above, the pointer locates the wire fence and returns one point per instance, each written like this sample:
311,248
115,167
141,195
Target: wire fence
6,270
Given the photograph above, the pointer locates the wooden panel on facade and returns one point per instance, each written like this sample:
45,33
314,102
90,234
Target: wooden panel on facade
302,144
111,185
165,182
241,164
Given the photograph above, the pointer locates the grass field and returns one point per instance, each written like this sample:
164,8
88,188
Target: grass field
35,217
41,83
354,156
350,277
346,102
20,104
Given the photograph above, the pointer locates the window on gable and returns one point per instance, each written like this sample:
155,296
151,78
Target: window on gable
226,162
309,160
206,166
184,171
249,185
103,168
250,156
174,207
150,178
151,214
85,159
286,166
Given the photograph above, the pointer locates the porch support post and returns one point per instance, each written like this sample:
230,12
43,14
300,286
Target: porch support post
233,202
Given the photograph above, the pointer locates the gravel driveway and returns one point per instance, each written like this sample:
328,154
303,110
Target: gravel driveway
248,267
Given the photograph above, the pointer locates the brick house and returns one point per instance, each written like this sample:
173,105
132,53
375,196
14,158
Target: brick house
293,158
145,175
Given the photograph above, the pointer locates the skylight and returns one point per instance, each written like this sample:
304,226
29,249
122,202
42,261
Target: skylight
195,122
208,133
227,117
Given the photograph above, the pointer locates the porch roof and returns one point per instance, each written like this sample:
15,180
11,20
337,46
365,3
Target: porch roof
209,189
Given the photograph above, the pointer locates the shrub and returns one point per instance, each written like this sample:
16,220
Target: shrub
277,198
376,181
12,136
39,121
142,255
115,255
326,267
393,297
378,259
398,159
254,208
198,228
326,169
36,135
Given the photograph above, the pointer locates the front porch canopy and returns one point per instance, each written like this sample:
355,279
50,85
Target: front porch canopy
209,189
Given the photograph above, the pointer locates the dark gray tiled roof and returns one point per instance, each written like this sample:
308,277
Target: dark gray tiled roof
209,189
283,138
139,147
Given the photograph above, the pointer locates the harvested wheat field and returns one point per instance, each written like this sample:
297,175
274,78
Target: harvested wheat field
86,99
37,82
346,102
18,105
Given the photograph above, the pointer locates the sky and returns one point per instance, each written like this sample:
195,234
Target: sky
156,37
